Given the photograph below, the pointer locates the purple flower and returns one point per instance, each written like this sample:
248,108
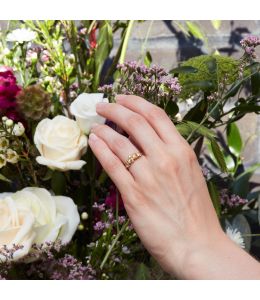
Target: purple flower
99,226
232,201
249,43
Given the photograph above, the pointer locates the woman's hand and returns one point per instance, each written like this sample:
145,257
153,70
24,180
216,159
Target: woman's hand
164,191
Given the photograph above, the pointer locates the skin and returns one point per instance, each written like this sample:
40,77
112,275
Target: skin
165,194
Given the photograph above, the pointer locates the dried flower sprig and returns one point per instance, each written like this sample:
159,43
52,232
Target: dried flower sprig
152,83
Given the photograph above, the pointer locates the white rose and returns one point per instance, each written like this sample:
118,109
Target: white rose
34,216
84,110
61,143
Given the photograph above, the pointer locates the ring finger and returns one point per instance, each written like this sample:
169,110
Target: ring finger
121,147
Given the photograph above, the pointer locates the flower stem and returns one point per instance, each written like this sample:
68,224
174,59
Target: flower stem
126,40
113,244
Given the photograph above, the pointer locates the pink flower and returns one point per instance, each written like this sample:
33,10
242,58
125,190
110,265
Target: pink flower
8,88
111,199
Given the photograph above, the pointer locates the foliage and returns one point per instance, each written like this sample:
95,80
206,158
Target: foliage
58,60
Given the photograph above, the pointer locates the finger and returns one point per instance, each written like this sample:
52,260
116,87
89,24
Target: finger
132,123
121,147
154,115
111,164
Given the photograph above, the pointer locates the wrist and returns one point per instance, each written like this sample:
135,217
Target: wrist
219,258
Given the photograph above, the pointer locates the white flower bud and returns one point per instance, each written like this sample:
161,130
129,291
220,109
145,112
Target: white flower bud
178,117
84,216
18,129
9,123
80,227
4,119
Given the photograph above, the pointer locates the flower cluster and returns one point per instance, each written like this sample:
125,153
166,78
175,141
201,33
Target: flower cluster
231,201
249,44
8,91
152,83
9,128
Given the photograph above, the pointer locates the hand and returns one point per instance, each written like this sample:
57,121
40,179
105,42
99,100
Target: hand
164,191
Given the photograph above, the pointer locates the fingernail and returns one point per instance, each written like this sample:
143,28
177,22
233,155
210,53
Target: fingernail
93,137
101,104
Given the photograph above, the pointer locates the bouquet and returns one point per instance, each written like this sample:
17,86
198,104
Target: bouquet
61,217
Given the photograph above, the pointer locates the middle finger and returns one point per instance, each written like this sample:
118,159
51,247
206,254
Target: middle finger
121,147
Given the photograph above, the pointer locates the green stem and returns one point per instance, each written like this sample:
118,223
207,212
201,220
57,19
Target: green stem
126,40
113,244
202,121
117,207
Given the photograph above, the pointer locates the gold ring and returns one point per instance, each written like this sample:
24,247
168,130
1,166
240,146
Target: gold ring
131,159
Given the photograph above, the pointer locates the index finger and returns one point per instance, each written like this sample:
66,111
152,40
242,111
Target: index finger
154,115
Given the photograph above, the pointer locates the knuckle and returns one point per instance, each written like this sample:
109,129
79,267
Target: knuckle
189,155
135,120
112,165
120,142
156,113
165,162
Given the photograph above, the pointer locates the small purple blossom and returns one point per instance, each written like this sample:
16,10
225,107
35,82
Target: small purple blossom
152,83
249,44
99,226
99,207
232,201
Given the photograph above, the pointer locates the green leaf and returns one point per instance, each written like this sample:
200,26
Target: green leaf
218,155
241,224
240,185
182,28
104,46
236,85
216,24
234,139
148,59
3,178
185,129
142,272
255,80
183,70
200,84
229,163
171,108
197,113
195,30
214,194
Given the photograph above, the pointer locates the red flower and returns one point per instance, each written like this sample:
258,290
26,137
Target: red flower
92,39
8,88
111,199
